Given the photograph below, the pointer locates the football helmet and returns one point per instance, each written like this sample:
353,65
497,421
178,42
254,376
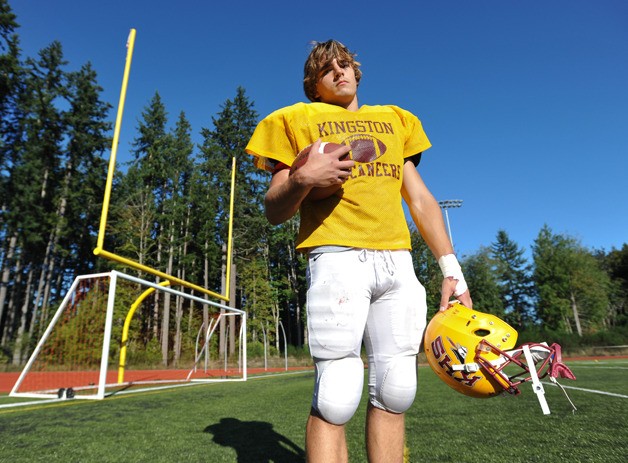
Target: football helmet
469,351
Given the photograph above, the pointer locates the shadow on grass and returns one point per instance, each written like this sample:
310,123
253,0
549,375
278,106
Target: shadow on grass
255,441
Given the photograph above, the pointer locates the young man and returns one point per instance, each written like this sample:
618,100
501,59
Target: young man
361,281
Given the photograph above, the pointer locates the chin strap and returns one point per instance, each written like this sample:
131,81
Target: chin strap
553,380
558,368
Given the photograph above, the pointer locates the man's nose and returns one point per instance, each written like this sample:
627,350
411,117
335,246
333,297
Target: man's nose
338,71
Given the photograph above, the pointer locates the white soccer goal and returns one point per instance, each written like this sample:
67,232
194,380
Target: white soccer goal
92,346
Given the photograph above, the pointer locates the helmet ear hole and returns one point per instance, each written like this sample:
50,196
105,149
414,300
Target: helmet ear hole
482,332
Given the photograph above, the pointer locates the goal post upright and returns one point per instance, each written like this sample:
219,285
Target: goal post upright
230,231
100,242
116,138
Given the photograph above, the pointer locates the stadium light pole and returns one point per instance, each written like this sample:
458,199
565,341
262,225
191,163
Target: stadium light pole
448,204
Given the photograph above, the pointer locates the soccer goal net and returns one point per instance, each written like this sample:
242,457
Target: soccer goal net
114,331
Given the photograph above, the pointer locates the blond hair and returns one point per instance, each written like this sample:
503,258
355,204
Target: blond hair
320,55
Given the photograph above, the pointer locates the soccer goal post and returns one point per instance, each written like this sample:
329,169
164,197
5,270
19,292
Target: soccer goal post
85,352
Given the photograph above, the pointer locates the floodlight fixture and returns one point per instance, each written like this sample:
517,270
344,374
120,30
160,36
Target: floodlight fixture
448,204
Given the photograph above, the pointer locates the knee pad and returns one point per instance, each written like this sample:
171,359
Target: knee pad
338,388
398,385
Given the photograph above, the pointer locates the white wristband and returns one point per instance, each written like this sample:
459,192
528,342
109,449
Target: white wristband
451,268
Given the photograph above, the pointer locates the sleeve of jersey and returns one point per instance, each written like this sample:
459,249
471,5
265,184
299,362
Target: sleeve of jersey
271,142
416,139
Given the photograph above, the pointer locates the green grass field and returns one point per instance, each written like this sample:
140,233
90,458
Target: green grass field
262,420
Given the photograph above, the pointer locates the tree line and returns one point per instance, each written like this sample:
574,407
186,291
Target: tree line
169,210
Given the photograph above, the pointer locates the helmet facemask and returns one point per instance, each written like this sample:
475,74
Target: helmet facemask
474,353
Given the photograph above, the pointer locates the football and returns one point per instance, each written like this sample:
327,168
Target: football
365,148
317,193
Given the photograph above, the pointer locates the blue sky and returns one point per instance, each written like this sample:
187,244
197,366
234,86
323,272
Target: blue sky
526,103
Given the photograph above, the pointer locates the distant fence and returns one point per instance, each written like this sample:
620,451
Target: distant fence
610,350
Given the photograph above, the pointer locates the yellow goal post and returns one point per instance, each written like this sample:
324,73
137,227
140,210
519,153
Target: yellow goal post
101,252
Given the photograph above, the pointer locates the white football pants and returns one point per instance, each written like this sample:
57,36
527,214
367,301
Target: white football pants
361,295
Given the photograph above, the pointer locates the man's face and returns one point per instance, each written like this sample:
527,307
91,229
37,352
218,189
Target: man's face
337,83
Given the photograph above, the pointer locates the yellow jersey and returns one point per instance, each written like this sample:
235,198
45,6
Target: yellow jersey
367,211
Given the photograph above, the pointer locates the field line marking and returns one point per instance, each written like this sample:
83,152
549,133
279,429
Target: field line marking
593,391
274,375
39,405
601,367
19,404
36,405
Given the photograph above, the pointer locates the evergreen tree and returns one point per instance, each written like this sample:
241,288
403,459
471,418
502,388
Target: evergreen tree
34,179
204,206
154,170
146,182
36,169
180,208
9,55
485,289
513,274
84,177
11,74
233,127
176,218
